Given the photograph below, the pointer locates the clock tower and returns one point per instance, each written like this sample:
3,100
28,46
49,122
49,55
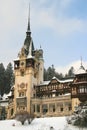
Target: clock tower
28,70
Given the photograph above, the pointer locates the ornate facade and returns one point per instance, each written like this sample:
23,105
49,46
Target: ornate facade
34,95
79,87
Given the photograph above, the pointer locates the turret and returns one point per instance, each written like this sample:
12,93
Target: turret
28,68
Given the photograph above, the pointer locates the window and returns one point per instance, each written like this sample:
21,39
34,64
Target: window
22,73
34,95
61,108
12,111
38,108
70,107
44,108
53,108
81,89
33,108
85,90
21,94
21,108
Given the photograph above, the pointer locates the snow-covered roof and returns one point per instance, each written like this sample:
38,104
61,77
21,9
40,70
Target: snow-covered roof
45,83
81,70
30,57
63,80
16,59
60,81
5,96
66,80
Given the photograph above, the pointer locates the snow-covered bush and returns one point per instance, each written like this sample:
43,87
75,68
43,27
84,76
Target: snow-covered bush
22,116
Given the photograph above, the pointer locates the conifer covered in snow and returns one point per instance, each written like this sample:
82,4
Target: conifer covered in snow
79,117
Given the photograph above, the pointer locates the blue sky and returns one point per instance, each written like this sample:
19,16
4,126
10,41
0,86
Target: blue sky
59,26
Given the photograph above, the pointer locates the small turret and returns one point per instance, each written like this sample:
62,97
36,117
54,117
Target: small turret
81,69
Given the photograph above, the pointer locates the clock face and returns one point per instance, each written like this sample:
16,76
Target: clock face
22,63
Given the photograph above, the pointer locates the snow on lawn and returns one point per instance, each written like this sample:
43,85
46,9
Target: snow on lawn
57,123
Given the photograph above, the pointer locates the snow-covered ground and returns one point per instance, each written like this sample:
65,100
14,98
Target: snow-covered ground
53,123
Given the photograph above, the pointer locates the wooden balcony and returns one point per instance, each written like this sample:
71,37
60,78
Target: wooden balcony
82,96
21,101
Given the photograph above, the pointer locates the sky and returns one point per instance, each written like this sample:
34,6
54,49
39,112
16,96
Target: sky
58,26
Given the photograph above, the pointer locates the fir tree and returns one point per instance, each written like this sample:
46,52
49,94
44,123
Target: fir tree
9,78
2,79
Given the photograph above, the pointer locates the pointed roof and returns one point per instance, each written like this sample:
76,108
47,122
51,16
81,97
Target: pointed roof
30,55
81,69
27,49
28,38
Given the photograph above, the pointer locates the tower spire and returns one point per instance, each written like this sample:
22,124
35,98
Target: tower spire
28,28
81,61
82,67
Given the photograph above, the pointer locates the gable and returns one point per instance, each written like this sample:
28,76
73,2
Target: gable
54,81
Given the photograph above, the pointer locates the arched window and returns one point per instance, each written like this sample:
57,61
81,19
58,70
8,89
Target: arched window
12,111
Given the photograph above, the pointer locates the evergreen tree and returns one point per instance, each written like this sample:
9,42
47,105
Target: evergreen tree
2,79
59,76
50,73
79,117
9,78
70,72
45,74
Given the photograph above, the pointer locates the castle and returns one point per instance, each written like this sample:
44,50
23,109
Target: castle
43,98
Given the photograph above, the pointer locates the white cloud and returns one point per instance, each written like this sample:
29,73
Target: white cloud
75,64
10,27
68,26
13,12
61,25
13,22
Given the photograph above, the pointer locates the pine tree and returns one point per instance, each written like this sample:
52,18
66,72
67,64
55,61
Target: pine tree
50,73
45,74
79,118
9,78
70,72
2,79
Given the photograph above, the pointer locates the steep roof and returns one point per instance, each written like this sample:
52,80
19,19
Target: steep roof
28,47
28,43
81,70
